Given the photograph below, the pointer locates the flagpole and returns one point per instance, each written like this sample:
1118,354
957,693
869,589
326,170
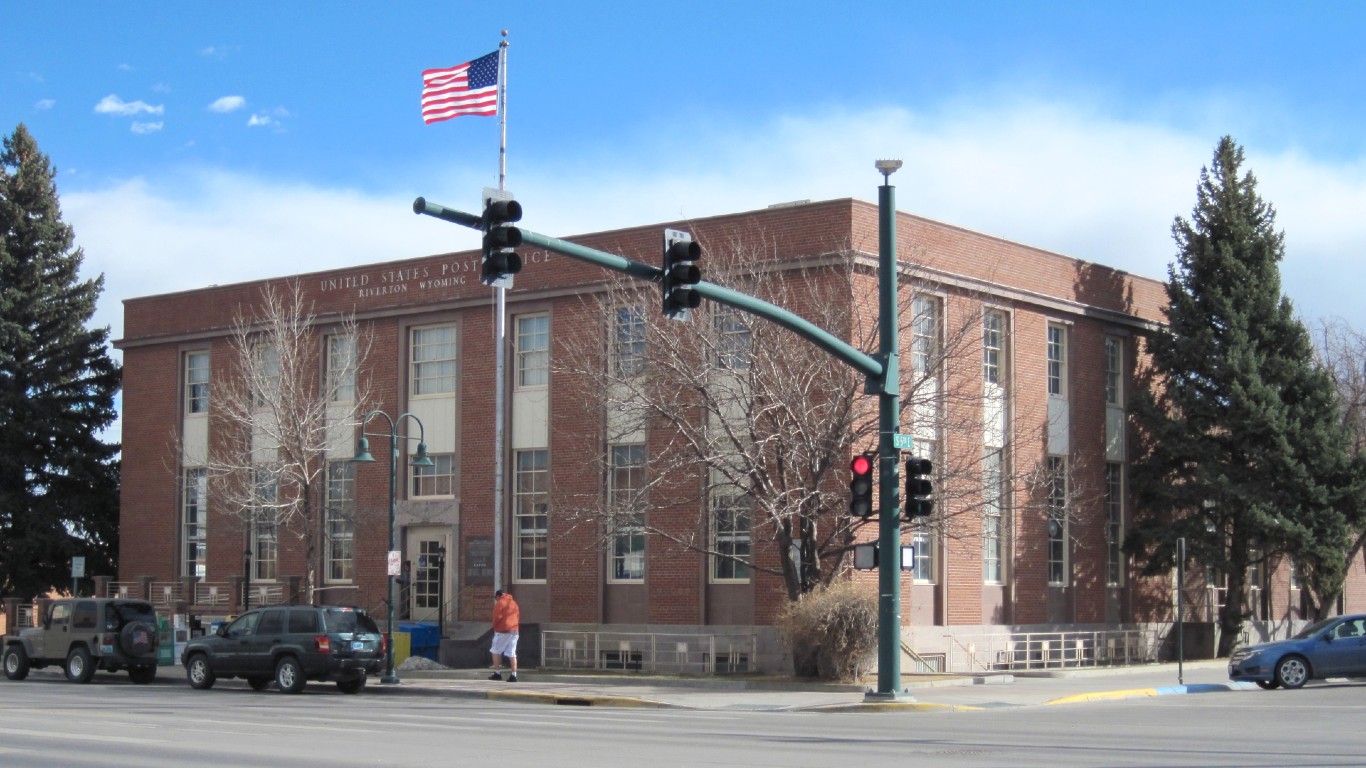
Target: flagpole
500,325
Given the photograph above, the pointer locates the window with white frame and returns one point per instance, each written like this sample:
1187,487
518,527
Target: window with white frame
1114,355
533,351
923,541
435,481
265,545
924,334
730,537
531,514
433,360
993,340
625,484
1057,360
267,387
628,342
733,338
341,368
194,528
1114,523
340,522
197,382
993,542
1057,520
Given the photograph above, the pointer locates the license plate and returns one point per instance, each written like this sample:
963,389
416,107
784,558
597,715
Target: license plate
357,645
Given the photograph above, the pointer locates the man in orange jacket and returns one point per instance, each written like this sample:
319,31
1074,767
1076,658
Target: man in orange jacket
506,618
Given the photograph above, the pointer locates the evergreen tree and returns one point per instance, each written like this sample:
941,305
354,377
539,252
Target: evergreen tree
1240,450
58,482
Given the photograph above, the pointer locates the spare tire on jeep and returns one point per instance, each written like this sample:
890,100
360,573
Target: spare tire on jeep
137,639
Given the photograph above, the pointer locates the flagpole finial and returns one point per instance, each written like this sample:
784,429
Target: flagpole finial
505,39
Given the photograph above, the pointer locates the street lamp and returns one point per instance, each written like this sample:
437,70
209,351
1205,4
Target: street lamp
419,460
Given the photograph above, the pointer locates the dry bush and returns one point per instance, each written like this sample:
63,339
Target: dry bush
832,631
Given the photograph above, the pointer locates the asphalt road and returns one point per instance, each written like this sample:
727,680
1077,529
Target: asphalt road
49,723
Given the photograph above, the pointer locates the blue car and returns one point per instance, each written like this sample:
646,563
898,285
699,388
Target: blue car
1333,647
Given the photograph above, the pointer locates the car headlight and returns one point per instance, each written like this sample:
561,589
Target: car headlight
1242,655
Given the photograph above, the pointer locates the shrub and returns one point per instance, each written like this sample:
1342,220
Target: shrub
832,631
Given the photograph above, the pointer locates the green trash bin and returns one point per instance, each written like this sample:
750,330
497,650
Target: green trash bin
165,642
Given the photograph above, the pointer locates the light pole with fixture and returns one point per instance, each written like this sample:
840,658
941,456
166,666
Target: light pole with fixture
419,460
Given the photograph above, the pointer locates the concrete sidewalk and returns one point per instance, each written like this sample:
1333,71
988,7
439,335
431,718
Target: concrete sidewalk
922,692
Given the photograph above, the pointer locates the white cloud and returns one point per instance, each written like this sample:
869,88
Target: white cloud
45,104
141,128
113,105
1094,188
260,120
228,104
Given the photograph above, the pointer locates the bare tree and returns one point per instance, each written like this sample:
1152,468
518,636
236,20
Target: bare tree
739,410
1342,351
280,415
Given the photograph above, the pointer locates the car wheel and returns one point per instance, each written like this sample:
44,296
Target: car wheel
259,683
80,667
199,673
1268,685
1292,672
289,676
354,685
16,662
137,639
142,675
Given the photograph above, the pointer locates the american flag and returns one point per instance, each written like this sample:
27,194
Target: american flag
468,89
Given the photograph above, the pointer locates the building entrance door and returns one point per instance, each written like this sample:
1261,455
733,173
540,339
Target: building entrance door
431,564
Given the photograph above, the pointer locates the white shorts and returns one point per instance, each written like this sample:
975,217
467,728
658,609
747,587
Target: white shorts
505,644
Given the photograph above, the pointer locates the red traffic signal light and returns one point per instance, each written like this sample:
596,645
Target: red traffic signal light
861,485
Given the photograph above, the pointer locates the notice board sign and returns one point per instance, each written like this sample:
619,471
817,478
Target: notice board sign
479,561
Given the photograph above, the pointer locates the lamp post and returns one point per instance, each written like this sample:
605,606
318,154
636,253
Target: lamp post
420,460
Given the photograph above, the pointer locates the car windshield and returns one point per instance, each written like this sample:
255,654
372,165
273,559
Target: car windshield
343,620
1314,629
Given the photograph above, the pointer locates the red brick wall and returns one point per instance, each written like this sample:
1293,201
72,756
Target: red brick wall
965,268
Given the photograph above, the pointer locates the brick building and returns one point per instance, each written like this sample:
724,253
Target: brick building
1046,344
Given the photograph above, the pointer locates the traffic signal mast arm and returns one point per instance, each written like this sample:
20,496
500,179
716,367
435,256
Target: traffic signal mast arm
866,364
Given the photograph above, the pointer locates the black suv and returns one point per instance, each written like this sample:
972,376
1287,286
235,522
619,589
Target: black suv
86,634
289,645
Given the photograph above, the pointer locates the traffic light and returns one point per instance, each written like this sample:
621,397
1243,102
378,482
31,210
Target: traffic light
861,485
680,274
918,488
501,239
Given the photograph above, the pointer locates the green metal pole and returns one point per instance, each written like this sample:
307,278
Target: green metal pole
389,678
889,403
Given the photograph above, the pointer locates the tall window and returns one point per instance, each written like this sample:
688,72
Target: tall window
341,368
626,481
433,363
1114,353
993,544
993,329
268,374
438,480
924,321
733,339
197,382
533,350
1057,361
531,512
340,503
265,546
628,342
194,522
730,538
1057,520
1114,523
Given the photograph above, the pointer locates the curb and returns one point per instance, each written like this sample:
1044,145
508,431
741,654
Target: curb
1170,690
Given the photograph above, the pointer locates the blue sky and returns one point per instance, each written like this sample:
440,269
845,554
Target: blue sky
202,144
